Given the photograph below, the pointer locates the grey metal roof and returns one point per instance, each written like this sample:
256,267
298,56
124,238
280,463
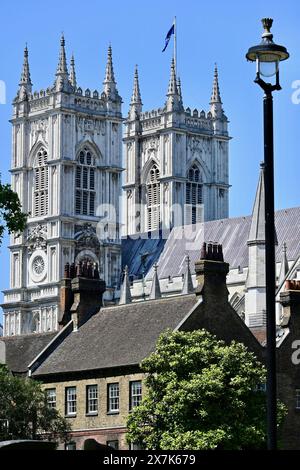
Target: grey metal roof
117,336
232,233
140,252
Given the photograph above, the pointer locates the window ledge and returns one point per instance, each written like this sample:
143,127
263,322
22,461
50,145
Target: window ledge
113,412
91,414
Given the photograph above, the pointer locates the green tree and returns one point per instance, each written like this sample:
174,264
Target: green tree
201,394
11,215
24,412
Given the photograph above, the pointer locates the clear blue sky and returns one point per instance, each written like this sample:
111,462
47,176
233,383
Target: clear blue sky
208,32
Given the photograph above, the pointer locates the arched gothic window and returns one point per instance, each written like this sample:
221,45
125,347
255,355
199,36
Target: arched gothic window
85,183
194,195
40,183
153,198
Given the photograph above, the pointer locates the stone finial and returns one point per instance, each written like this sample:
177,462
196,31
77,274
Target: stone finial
174,102
136,104
25,75
62,76
172,89
125,294
188,287
109,81
25,84
216,109
62,68
136,94
179,89
73,80
284,266
155,292
216,96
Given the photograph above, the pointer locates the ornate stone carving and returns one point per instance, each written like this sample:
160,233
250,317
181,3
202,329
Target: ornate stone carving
199,145
86,238
39,130
37,238
90,125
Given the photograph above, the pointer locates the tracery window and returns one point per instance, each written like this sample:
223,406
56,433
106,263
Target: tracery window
153,198
194,194
40,194
85,183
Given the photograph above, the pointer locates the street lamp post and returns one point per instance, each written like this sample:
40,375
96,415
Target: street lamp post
267,56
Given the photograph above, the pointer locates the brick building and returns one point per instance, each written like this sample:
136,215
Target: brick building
90,369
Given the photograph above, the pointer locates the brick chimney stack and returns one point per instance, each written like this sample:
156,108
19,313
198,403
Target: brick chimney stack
211,272
290,301
81,293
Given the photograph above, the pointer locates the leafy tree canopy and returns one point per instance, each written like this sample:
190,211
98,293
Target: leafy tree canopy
201,394
11,215
24,412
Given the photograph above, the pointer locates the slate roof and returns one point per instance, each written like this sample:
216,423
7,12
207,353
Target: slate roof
232,233
117,336
21,350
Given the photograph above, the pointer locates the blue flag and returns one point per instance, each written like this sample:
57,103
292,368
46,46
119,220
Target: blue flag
168,36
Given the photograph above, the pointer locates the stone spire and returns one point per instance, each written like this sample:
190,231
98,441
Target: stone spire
62,76
136,94
216,108
215,96
73,80
255,301
284,266
155,292
179,88
25,82
173,97
136,100
257,228
109,81
125,295
188,287
172,90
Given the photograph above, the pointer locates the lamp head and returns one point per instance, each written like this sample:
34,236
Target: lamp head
267,54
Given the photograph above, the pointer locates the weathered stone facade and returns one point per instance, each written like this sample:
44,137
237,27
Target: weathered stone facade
176,162
66,168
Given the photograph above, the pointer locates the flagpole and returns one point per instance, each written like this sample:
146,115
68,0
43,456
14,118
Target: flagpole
175,45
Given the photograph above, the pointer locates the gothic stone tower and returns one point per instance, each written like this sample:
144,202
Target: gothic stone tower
66,167
176,162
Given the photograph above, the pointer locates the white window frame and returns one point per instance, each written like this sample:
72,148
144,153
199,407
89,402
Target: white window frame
51,397
92,399
135,390
71,401
113,391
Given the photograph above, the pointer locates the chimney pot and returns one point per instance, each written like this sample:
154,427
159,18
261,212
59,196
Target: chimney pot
67,271
72,271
